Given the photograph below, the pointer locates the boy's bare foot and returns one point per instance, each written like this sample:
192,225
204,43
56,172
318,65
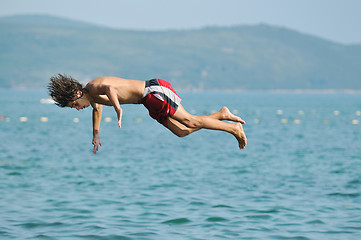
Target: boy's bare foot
240,135
227,115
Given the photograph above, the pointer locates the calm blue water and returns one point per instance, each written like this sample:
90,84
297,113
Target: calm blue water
293,181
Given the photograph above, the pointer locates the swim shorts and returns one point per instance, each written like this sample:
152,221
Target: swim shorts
160,99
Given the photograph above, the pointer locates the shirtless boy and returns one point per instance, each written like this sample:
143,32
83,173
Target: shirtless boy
156,95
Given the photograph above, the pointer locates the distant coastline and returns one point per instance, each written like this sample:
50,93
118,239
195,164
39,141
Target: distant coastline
227,59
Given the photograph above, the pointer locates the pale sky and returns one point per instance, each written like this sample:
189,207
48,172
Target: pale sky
335,20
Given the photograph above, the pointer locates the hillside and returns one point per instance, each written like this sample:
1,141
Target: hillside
33,48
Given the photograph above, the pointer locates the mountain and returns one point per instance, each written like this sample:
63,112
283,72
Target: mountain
33,48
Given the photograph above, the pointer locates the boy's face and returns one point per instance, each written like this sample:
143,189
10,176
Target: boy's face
79,103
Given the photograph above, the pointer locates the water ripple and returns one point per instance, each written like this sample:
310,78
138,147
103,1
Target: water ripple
221,206
216,219
347,195
105,237
177,221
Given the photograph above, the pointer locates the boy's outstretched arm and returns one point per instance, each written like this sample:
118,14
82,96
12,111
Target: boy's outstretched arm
97,116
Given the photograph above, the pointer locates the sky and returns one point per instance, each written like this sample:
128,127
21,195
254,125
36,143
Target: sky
335,20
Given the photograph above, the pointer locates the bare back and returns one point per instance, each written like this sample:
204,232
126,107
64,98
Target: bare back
128,91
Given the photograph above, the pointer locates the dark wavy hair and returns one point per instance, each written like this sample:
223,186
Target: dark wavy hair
63,89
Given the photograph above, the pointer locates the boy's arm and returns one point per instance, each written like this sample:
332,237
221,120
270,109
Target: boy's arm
113,98
111,93
97,116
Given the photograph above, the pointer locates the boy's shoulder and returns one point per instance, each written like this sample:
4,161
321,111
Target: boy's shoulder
93,87
98,85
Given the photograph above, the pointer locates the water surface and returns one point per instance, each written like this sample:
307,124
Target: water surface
295,179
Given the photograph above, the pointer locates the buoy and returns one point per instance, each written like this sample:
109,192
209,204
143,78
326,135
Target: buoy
107,119
76,120
256,121
284,120
44,119
138,120
235,111
279,112
336,112
358,113
297,121
355,122
301,112
193,111
23,119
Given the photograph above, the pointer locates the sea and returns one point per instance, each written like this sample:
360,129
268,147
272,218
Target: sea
298,178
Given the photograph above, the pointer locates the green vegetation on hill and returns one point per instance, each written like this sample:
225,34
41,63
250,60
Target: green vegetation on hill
33,48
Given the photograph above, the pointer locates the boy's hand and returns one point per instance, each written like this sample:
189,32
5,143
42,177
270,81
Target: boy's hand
120,113
96,142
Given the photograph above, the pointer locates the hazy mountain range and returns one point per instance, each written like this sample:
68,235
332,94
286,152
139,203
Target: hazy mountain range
33,48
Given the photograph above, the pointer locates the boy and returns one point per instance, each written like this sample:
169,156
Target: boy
156,95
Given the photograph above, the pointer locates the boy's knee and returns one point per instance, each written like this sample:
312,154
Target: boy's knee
183,133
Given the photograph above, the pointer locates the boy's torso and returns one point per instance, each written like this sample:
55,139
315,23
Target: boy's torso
128,91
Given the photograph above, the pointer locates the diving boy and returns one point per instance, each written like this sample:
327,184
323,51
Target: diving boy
156,95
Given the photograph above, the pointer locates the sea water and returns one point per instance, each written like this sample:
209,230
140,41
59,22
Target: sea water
298,178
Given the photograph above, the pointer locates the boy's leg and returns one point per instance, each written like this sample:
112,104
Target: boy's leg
181,130
194,123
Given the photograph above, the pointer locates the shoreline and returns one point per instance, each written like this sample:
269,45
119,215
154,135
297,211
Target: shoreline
275,91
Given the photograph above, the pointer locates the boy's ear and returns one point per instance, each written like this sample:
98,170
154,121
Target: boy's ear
79,93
